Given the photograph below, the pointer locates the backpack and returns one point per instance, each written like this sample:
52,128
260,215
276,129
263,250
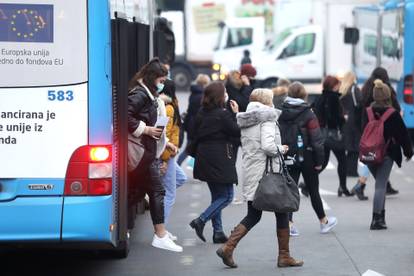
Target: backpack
373,147
290,131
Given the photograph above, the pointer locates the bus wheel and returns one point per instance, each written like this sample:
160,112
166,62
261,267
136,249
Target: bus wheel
269,83
182,78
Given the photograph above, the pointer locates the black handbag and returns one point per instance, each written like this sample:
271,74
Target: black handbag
277,192
333,138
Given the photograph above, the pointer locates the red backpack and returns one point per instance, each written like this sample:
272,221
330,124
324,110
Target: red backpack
373,147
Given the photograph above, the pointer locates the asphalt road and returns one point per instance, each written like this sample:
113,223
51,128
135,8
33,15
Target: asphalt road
351,249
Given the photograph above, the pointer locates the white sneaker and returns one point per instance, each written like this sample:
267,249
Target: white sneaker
166,243
325,228
171,236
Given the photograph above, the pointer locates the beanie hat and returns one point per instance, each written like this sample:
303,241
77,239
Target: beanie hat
248,70
381,93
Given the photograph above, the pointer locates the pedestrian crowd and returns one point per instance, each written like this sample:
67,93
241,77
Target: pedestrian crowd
280,136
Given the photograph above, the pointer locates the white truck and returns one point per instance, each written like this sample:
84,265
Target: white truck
308,45
196,29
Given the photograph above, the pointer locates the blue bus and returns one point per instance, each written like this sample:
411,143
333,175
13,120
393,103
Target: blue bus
386,38
64,68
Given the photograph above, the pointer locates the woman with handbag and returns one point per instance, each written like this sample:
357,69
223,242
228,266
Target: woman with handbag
143,105
215,156
260,139
331,119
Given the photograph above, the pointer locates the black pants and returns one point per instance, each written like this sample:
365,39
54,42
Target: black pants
253,217
341,157
352,163
311,178
146,179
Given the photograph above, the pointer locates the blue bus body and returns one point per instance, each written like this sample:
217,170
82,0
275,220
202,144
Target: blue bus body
387,40
43,209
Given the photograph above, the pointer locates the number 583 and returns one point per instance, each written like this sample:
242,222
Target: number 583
60,95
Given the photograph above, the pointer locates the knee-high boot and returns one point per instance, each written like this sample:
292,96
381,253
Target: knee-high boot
226,251
284,259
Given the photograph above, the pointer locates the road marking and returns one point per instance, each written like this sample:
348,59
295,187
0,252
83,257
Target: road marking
370,272
193,215
400,172
187,260
330,166
196,187
195,204
195,195
409,179
326,192
189,242
325,205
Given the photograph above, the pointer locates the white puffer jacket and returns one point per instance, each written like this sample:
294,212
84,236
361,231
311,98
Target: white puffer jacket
260,137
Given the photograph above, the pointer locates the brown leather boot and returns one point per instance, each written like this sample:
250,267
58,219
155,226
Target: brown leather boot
226,251
284,259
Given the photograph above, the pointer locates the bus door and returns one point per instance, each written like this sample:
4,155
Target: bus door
43,112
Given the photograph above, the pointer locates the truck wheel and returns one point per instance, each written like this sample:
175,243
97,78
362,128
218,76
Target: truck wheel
269,83
182,78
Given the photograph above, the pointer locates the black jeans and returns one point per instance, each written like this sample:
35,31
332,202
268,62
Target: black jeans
147,180
341,157
311,178
253,217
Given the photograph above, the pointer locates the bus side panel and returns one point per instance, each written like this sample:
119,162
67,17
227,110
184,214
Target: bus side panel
31,219
409,60
87,219
100,90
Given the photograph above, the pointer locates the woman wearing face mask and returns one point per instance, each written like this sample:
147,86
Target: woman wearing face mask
143,110
215,157
331,119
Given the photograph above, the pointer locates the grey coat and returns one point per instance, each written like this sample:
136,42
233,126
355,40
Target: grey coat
260,137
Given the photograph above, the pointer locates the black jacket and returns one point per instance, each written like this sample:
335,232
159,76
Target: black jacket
395,132
142,108
352,107
194,104
215,159
310,130
240,95
329,110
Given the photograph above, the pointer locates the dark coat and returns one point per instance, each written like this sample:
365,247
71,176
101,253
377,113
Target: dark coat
215,159
142,108
309,125
194,104
329,110
353,109
395,132
240,95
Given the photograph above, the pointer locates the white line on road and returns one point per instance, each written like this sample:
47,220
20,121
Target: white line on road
325,205
192,215
326,192
189,242
370,272
195,204
409,179
330,166
187,260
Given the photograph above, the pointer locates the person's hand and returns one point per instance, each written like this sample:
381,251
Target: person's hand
285,149
171,147
245,80
318,168
153,132
234,106
163,168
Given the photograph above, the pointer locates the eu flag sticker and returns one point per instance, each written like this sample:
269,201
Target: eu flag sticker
26,23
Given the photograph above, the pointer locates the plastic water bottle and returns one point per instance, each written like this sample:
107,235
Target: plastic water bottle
300,149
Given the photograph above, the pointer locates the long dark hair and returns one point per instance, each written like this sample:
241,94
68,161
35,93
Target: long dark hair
368,87
148,74
169,90
213,96
329,83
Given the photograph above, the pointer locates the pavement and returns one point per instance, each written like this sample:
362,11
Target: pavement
351,249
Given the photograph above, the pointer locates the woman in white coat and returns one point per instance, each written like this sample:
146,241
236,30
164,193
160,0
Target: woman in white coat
260,138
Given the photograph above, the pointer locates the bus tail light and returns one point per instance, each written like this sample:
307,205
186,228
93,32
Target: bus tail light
89,172
408,90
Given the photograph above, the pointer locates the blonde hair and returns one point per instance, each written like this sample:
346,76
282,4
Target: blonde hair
297,90
381,93
203,80
262,95
280,90
347,82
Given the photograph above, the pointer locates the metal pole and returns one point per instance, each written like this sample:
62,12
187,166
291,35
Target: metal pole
379,37
151,18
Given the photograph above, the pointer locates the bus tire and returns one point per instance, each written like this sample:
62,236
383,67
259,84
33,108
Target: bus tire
269,82
182,77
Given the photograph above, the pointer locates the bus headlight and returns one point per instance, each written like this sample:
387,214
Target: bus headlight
215,76
216,67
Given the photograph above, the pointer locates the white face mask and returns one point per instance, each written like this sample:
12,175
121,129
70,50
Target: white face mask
226,97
